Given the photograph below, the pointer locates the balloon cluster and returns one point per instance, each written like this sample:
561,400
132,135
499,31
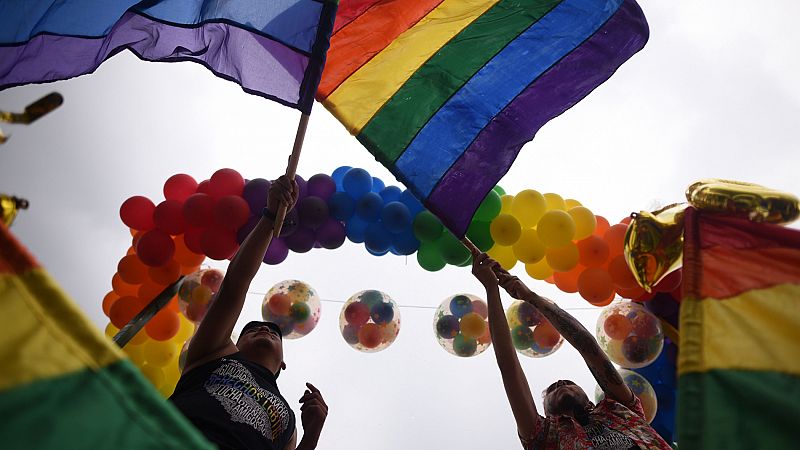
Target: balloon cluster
294,306
197,292
461,325
641,388
369,321
629,334
531,334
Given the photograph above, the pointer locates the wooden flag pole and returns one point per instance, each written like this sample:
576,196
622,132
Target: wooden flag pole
127,332
291,170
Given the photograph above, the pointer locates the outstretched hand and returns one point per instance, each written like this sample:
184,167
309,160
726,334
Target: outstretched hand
514,286
484,267
313,412
282,191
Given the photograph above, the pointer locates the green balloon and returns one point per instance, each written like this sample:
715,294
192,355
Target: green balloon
489,207
429,258
300,311
427,227
466,263
522,337
464,346
478,233
500,191
452,250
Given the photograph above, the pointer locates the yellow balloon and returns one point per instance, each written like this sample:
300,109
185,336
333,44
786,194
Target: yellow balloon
135,353
154,374
111,330
571,203
554,202
539,270
529,247
160,353
505,229
563,259
585,222
556,228
528,206
506,201
503,255
186,330
512,315
139,338
166,389
472,325
201,294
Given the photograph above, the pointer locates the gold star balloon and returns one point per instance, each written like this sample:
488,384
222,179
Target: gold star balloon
654,244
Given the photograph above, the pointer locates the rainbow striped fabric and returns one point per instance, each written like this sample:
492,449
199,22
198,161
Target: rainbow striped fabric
275,48
444,93
739,361
62,384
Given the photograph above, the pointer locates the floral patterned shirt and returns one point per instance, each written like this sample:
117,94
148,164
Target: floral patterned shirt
564,432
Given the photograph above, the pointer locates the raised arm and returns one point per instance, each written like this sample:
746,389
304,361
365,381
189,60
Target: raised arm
213,337
514,381
576,334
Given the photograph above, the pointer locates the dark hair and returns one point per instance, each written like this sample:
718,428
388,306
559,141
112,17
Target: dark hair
259,323
555,385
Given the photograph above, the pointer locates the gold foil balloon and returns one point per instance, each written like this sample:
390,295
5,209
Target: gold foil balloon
35,110
654,244
9,207
758,203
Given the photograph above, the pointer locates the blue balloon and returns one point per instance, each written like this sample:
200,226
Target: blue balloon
377,185
369,207
405,243
357,182
341,206
377,238
355,229
413,204
376,253
382,313
338,176
396,217
460,305
391,194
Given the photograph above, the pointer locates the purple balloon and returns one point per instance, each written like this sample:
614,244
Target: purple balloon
313,212
255,192
301,241
331,234
245,229
290,223
322,186
302,185
277,252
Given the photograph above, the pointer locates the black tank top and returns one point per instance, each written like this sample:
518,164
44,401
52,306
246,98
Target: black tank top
236,404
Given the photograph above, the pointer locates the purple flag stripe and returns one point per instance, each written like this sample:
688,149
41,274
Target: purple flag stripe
260,65
491,154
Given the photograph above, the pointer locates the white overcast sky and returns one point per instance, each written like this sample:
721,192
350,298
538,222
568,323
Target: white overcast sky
714,94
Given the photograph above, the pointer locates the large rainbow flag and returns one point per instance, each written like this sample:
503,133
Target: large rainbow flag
62,384
274,48
444,93
739,361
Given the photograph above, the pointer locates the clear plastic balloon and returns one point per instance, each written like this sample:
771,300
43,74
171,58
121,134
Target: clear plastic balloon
461,325
630,335
641,388
369,321
294,306
197,292
531,334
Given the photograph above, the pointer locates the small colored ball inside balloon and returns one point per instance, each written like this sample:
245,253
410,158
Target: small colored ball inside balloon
464,346
460,305
201,294
528,315
480,307
546,335
212,279
636,349
472,325
369,335
279,304
522,337
447,327
300,311
350,334
371,298
382,313
645,325
617,326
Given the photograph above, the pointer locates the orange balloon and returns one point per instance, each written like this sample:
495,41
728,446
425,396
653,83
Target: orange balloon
369,335
631,293
132,270
149,291
165,274
595,285
620,273
123,310
546,335
122,288
131,251
615,238
551,279
604,302
173,305
617,326
568,281
562,259
279,304
184,256
109,300
163,326
602,226
593,251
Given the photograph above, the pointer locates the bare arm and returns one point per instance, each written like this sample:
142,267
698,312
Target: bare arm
576,334
514,380
212,339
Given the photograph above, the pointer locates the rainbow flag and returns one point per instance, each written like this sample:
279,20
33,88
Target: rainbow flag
62,383
275,49
444,93
739,361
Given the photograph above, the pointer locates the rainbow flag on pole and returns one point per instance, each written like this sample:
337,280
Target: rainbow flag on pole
62,384
274,48
444,93
739,361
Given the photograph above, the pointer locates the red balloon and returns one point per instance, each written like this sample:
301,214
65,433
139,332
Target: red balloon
212,279
620,273
192,240
163,326
168,216
615,238
165,274
631,293
369,335
617,326
137,213
546,335
124,309
595,285
218,243
601,227
568,281
179,187
593,251
132,270
149,291
198,210
109,300
183,254
202,187
627,220
226,182
231,212
122,288
670,282
155,248
356,314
